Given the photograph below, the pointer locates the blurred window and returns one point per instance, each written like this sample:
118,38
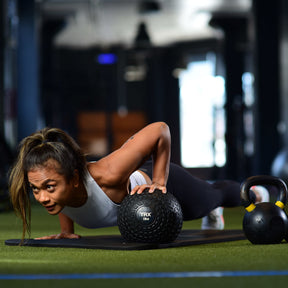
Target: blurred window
202,114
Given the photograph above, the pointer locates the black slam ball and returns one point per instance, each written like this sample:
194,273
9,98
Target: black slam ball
150,217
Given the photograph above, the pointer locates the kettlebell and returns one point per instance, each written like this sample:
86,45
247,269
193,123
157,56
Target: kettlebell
266,222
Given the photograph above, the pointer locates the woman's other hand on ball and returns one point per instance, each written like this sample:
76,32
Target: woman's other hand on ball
140,188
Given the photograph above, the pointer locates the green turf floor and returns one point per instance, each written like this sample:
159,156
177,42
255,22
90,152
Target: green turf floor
230,256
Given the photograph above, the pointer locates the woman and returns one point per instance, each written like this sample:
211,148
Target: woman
52,165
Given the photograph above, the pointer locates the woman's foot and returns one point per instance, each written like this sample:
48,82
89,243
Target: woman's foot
214,220
261,193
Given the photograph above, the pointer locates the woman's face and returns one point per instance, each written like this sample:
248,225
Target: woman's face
50,188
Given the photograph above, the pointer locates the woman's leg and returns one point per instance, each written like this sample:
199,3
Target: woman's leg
197,197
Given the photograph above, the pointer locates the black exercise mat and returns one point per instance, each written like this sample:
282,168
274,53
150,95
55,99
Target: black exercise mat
116,242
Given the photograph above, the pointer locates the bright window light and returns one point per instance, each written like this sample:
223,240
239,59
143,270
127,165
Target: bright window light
202,115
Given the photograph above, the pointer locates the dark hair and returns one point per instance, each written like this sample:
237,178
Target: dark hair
34,151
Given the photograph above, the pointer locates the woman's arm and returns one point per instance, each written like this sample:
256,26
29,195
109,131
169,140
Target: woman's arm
67,229
153,140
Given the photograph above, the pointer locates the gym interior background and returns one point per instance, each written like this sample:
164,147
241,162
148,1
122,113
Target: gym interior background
216,71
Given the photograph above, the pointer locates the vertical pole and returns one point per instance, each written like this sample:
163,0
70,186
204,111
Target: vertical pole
28,102
267,84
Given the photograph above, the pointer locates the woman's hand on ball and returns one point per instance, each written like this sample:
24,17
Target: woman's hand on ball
155,186
140,188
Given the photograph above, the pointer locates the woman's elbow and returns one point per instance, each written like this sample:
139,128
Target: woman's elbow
162,126
163,130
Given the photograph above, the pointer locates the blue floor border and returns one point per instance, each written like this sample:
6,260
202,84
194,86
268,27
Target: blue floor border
149,275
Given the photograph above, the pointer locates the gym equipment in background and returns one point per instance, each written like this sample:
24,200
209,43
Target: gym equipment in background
279,166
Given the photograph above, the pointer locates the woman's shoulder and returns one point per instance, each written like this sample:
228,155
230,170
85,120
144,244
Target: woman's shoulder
92,169
98,172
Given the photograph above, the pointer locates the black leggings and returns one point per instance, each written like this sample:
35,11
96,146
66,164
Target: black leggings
198,197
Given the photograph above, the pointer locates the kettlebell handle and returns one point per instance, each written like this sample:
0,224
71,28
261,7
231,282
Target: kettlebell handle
263,180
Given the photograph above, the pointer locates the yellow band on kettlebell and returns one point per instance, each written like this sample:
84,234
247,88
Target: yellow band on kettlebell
280,204
251,207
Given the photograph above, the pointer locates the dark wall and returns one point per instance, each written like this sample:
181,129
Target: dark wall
2,45
77,82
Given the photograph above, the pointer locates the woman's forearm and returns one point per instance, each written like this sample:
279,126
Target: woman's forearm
66,224
161,156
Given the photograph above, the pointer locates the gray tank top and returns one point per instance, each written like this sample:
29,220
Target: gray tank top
99,210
